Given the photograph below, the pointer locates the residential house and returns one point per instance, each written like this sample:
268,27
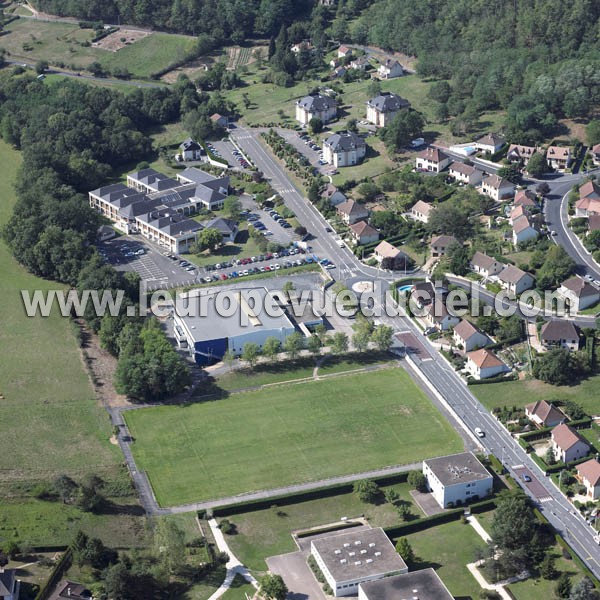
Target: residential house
344,51
559,157
386,250
593,223
316,106
437,315
344,149
521,154
497,187
454,480
440,243
334,63
491,142
432,159
362,233
588,473
424,293
226,227
560,333
9,584
578,294
351,212
360,63
382,109
568,444
518,211
589,200
526,198
303,46
339,72
69,590
485,265
190,150
544,414
421,211
483,364
595,154
390,69
523,230
220,120
465,334
514,280
333,195
465,173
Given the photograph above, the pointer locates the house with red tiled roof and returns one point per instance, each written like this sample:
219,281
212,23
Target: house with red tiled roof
523,229
521,154
483,364
568,444
589,200
386,250
496,187
544,414
467,336
351,212
588,473
363,233
344,51
525,198
595,153
559,157
437,315
432,159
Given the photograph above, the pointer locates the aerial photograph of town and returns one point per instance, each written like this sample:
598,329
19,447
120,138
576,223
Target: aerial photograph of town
300,299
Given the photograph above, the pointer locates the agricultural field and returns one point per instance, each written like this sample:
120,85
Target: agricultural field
64,43
50,421
267,532
287,434
522,392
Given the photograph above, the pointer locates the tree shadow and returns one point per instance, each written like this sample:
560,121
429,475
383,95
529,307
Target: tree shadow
111,508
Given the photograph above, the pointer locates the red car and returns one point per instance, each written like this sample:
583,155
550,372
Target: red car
223,276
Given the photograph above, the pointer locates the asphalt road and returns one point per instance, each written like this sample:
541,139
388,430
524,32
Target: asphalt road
436,372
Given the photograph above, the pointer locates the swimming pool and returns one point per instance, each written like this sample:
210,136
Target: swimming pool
405,288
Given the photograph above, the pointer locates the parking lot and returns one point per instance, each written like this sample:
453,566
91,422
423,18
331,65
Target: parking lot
228,151
293,137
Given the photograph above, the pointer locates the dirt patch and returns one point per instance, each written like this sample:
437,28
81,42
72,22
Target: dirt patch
192,69
119,39
113,440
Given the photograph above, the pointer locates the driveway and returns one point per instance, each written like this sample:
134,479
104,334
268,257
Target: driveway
426,502
293,138
297,575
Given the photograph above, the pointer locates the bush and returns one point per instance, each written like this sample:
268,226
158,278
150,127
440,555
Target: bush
227,527
367,491
418,481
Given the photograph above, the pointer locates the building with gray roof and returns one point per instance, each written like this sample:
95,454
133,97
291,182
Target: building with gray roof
316,106
350,559
344,149
424,584
382,109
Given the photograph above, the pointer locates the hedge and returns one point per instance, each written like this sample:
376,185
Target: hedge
539,434
57,572
104,33
507,342
327,529
212,157
298,497
498,379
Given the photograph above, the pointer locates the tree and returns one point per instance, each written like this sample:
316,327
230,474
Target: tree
542,188
293,345
11,549
272,587
549,457
208,239
406,126
418,481
250,354
314,345
548,567
584,590
557,267
451,219
360,341
229,358
41,66
65,487
367,491
271,347
368,191
232,207
510,172
90,499
404,511
563,586
537,165
592,132
404,549
316,125
459,259
391,496
339,342
117,581
314,191
374,88
383,337
553,367
3,559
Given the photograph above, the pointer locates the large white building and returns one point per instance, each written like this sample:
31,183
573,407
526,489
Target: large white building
382,109
208,333
350,559
344,149
424,584
456,479
316,106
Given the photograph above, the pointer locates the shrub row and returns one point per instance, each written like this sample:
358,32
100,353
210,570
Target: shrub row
212,157
498,379
298,497
327,529
507,342
539,434
57,572
104,33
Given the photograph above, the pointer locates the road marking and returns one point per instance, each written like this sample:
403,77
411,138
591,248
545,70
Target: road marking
518,467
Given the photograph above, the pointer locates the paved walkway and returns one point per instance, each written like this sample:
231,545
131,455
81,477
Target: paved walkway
234,566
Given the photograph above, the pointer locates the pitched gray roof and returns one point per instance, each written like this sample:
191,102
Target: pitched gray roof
388,102
554,331
317,102
225,226
345,141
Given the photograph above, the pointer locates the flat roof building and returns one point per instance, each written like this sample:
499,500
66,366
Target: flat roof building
423,585
350,559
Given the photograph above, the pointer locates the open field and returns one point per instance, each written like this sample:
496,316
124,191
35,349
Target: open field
520,393
287,434
43,379
448,549
64,43
264,533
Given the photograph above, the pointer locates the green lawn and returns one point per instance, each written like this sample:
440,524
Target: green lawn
448,549
520,393
287,434
238,590
264,533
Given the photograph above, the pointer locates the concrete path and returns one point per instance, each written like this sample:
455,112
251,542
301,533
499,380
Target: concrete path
234,566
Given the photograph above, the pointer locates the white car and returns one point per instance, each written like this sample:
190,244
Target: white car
479,432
